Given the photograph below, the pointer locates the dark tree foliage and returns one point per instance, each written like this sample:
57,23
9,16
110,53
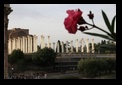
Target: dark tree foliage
15,56
45,57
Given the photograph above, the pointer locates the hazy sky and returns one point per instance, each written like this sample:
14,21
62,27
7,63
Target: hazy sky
47,19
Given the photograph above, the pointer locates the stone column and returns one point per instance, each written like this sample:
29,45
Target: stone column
72,46
58,49
18,43
87,45
92,45
48,43
14,45
9,46
54,47
28,44
35,43
67,47
62,47
82,45
45,44
42,42
7,11
76,45
21,44
31,44
23,38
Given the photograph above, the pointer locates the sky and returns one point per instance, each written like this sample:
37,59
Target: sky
48,19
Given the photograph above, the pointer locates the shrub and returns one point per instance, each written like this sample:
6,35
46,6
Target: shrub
96,66
45,57
15,55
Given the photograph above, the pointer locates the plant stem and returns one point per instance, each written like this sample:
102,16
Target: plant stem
98,28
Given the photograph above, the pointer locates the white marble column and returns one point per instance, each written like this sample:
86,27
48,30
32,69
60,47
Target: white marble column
76,45
31,44
48,42
28,44
15,43
23,38
54,47
67,47
11,49
82,45
14,47
62,47
87,45
9,46
49,45
18,45
35,43
42,41
21,44
72,46
45,44
92,45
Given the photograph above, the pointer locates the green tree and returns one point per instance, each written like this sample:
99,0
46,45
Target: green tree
45,57
15,56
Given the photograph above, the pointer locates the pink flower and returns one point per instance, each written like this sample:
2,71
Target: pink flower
71,21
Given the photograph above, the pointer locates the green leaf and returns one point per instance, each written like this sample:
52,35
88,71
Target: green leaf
112,24
106,21
99,35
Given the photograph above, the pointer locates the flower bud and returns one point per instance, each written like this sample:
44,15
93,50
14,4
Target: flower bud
82,28
91,15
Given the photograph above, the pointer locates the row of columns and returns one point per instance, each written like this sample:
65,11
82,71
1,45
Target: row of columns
29,44
86,42
26,44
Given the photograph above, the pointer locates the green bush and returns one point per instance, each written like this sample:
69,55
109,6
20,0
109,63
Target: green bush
15,55
45,57
96,66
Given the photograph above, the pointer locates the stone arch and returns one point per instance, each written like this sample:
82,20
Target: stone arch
17,34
